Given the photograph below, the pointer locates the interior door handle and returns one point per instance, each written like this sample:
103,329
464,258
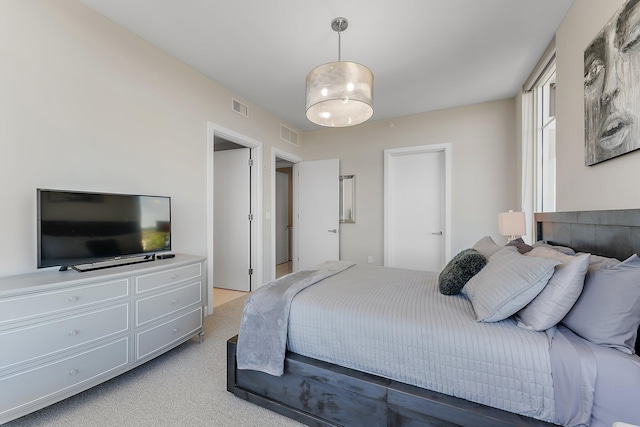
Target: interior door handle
439,233
333,231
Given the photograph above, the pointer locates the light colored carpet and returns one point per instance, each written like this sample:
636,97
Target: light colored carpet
184,387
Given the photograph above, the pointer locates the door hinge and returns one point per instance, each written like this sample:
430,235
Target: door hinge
250,217
250,271
250,162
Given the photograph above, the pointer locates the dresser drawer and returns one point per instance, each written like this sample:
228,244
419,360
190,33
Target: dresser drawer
44,339
154,307
36,384
164,335
149,282
46,303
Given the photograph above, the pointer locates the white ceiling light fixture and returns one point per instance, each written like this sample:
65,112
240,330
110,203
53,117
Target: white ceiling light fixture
339,94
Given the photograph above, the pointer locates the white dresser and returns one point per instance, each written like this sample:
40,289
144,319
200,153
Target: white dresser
64,332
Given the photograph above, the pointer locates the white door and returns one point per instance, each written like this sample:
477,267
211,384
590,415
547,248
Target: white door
282,217
318,204
231,226
415,189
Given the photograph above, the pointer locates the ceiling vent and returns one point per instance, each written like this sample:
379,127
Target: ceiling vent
289,135
239,107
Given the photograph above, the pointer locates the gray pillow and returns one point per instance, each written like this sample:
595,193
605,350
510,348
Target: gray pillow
459,270
487,247
522,247
608,310
507,283
598,260
562,249
560,294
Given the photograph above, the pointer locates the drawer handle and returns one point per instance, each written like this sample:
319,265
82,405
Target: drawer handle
176,330
73,372
175,301
73,333
73,299
175,276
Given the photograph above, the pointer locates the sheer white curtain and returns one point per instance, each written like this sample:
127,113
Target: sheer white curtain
527,161
529,137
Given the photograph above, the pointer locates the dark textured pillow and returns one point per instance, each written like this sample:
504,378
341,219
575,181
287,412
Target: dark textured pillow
520,245
460,269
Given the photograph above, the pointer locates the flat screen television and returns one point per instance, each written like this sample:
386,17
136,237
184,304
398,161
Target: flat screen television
81,228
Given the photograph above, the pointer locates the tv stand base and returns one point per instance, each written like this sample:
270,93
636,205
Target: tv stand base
81,268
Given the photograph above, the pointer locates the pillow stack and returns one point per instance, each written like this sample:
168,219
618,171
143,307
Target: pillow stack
544,285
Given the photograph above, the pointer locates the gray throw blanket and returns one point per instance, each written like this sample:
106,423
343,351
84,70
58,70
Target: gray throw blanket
262,340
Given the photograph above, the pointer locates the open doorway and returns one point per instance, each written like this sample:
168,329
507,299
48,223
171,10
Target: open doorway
283,217
232,266
250,266
283,202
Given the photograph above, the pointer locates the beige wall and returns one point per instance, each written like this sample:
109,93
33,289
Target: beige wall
607,185
86,105
483,143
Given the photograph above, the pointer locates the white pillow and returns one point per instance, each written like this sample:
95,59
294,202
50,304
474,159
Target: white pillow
507,283
560,294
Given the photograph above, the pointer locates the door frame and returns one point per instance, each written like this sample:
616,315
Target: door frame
214,130
445,148
284,155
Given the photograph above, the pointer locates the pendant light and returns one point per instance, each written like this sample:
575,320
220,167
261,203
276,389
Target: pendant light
339,94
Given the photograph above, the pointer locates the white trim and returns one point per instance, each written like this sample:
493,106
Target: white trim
276,152
391,152
256,203
547,58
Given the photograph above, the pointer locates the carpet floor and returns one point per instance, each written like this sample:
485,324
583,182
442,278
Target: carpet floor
184,387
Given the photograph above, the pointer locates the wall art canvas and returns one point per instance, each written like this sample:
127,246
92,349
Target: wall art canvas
612,87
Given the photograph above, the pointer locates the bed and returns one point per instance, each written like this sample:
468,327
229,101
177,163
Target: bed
347,388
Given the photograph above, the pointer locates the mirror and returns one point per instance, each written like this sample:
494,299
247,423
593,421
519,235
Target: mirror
348,198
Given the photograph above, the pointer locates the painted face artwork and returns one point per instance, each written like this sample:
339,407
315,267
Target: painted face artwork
612,87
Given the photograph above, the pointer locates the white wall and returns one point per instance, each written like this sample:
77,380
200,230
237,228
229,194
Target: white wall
86,105
607,185
484,180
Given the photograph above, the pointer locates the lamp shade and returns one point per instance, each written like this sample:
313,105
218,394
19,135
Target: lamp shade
512,224
339,94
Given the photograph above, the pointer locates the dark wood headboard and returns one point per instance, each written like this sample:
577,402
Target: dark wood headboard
614,233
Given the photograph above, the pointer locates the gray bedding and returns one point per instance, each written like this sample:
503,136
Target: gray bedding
394,323
263,330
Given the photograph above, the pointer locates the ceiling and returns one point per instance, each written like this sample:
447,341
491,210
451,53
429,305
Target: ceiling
425,54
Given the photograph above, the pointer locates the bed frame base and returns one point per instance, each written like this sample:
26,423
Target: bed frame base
317,393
